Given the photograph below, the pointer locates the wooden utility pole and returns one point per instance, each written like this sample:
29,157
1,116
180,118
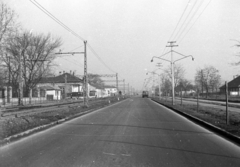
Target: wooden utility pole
85,92
85,77
171,44
65,86
227,114
124,86
197,100
181,96
117,82
9,81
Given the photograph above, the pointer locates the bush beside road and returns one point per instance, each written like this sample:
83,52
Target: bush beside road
15,125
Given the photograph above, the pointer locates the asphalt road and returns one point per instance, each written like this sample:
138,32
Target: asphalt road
136,132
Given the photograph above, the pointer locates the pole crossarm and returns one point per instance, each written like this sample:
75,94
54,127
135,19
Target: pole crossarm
107,75
69,53
113,80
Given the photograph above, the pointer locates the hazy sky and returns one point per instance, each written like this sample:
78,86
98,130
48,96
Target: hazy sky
127,33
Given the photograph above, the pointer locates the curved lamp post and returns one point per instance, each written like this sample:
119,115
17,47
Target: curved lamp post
153,72
172,67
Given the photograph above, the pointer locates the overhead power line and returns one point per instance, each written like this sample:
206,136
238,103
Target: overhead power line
177,24
39,6
190,20
195,21
93,51
189,13
76,48
179,20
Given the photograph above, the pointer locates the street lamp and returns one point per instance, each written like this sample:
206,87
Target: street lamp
146,83
153,72
172,67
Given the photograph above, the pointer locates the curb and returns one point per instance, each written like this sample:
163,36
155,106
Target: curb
26,133
233,138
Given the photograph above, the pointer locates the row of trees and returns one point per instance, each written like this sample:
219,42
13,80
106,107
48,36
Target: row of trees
34,52
206,80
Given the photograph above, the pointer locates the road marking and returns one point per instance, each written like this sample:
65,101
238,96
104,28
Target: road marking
108,153
128,155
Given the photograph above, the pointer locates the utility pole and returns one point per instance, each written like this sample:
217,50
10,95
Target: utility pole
20,80
85,98
117,82
171,44
85,77
202,80
65,87
227,113
9,81
124,86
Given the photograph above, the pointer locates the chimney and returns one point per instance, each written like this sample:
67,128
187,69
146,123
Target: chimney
73,73
63,72
70,71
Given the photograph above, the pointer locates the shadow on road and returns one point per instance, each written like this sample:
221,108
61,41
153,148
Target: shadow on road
168,148
132,126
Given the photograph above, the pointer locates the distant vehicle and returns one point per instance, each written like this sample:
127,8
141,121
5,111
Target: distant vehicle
144,94
75,95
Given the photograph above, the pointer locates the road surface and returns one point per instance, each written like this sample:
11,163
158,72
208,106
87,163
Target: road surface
136,132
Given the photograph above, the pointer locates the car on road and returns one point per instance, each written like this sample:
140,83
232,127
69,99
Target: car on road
144,94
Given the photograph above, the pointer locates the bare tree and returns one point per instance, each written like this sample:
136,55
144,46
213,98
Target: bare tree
8,25
179,72
95,79
185,85
35,52
8,28
207,78
165,84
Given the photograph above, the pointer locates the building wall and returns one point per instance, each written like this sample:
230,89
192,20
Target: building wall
111,91
56,94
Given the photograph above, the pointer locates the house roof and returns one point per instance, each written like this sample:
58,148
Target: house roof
49,87
61,79
97,86
235,83
109,86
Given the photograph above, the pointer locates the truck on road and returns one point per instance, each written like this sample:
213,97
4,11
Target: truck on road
144,94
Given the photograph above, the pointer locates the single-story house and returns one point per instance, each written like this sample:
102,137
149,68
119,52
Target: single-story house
97,91
233,87
51,92
110,90
56,85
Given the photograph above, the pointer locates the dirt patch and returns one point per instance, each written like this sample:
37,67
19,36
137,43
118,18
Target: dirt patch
211,115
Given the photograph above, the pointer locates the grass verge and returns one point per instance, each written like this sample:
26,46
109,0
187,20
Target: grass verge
16,125
214,116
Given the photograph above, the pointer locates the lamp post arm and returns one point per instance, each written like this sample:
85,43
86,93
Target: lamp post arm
183,58
179,53
163,59
161,55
